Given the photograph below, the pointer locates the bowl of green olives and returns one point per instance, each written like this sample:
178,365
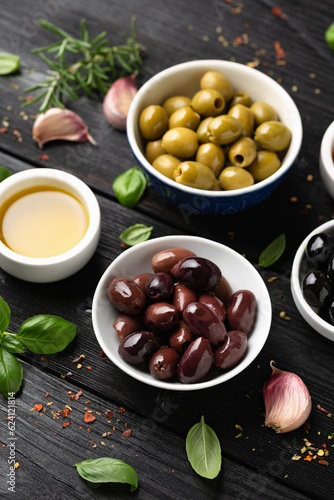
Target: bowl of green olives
214,136
312,279
326,162
181,313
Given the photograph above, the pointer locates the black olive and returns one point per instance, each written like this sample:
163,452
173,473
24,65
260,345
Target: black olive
316,288
319,249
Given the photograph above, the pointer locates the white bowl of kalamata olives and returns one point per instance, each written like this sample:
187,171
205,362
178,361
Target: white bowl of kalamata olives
326,161
214,136
312,279
181,312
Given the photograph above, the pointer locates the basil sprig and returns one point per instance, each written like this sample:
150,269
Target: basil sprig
108,470
273,251
42,334
203,450
129,187
136,234
9,63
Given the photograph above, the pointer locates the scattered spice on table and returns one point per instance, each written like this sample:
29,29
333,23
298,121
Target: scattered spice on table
127,433
89,417
38,407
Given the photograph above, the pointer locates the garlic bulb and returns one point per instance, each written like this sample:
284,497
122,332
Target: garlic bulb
118,99
60,123
287,401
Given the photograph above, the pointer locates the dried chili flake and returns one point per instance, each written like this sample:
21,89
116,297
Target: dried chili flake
127,433
92,441
279,52
108,414
44,157
103,355
307,426
66,412
121,409
76,396
78,359
88,367
323,462
278,12
38,407
238,40
67,423
308,458
89,417
47,395
3,130
319,407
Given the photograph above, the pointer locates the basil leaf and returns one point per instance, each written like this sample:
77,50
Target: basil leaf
203,450
8,63
136,234
129,187
4,315
4,173
11,373
108,470
329,36
273,251
12,344
46,334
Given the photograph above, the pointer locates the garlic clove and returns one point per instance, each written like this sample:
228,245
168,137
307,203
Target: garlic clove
118,99
287,401
60,123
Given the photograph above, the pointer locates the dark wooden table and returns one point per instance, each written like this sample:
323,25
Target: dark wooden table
257,463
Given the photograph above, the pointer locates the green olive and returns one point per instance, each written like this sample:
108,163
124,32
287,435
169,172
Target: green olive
224,129
202,131
263,112
241,98
245,116
166,165
273,135
153,122
184,117
242,152
217,81
175,102
212,156
180,142
154,149
235,178
208,102
265,164
197,175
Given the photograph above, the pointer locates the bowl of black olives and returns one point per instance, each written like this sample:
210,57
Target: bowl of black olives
214,136
181,313
312,279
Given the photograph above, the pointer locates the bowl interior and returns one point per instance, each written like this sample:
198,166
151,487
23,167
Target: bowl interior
237,270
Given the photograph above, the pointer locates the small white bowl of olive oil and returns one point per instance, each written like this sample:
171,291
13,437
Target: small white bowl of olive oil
49,225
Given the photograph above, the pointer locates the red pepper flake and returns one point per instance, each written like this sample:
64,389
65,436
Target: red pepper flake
323,462
124,245
279,53
307,426
3,130
121,410
308,458
47,395
103,355
38,407
29,98
3,445
43,358
127,433
89,417
76,396
238,40
66,412
108,414
88,367
278,12
44,157
67,423
36,423
88,402
322,409
92,441
324,445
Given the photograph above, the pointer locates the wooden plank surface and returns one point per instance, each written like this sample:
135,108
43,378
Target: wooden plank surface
259,462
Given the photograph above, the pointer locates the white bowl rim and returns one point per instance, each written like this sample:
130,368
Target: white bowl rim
326,151
290,157
178,386
310,316
45,174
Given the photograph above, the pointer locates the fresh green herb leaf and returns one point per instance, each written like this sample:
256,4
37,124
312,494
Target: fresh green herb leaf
129,187
11,373
12,344
329,36
203,450
273,251
4,315
108,470
136,234
9,63
4,173
46,334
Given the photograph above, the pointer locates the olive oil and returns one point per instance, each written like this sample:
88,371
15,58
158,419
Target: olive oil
42,221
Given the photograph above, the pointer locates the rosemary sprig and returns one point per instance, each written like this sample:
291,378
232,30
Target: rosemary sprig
97,64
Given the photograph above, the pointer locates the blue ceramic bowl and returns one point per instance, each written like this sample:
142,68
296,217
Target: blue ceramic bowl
183,79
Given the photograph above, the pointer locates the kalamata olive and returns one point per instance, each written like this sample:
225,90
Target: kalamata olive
141,279
231,351
166,259
181,337
126,296
203,321
198,273
138,347
159,287
160,317
241,311
319,249
215,304
125,324
163,363
183,296
316,288
223,290
195,362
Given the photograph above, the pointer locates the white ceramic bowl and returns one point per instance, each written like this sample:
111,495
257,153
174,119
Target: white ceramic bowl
326,162
308,313
49,269
184,79
135,260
